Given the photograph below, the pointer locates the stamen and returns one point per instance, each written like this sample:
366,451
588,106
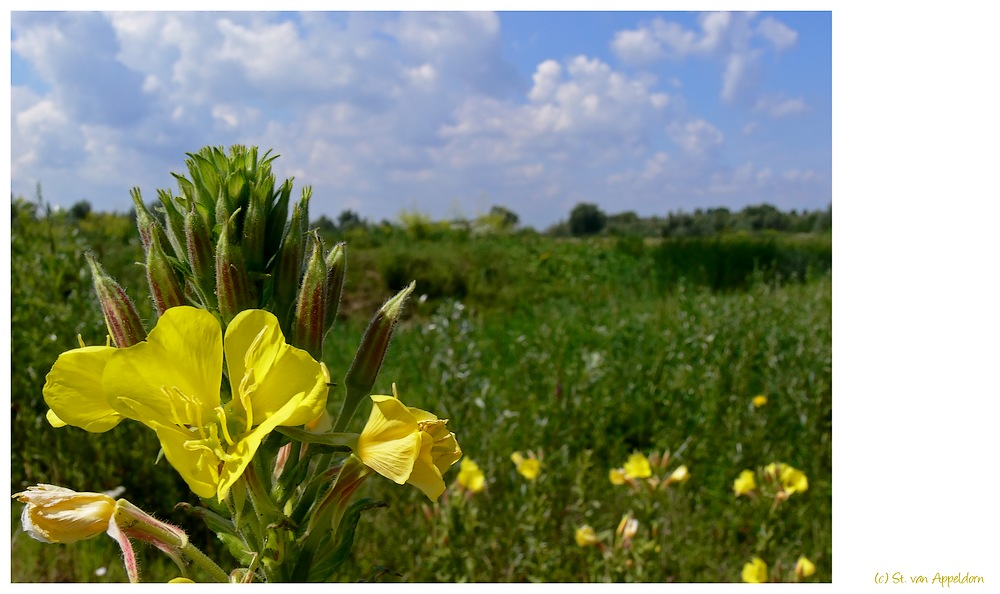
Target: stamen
252,349
221,414
79,338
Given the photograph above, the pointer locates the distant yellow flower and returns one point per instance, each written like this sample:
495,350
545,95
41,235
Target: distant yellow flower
58,515
679,475
759,401
617,476
471,477
586,537
745,483
637,466
407,445
181,580
804,567
529,468
793,480
755,572
772,471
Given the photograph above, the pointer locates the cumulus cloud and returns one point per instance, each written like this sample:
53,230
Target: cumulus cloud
377,111
779,106
732,39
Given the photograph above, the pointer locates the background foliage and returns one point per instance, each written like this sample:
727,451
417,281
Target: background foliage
583,350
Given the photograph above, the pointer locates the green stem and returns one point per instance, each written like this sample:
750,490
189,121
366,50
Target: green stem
203,561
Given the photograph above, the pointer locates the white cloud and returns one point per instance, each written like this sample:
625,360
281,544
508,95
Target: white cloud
780,36
779,107
696,137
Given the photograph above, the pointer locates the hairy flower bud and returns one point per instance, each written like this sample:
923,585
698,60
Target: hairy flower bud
254,226
144,220
174,223
201,255
231,283
336,270
311,305
286,274
55,514
166,289
120,314
367,362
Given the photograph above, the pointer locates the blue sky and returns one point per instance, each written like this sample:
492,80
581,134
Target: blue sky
445,113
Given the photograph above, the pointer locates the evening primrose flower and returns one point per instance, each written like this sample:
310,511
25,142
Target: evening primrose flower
59,515
679,475
793,480
745,483
586,537
637,466
804,568
470,477
529,468
755,572
759,401
617,476
407,445
171,383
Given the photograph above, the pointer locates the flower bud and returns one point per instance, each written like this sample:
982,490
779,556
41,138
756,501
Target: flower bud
165,287
174,223
254,226
59,515
144,220
232,286
120,314
336,270
201,255
286,274
311,305
368,360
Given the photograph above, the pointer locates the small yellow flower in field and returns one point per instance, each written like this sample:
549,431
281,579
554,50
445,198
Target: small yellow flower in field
755,572
637,466
804,567
58,515
407,445
586,537
745,483
793,480
617,476
679,475
529,468
181,580
759,401
170,383
470,477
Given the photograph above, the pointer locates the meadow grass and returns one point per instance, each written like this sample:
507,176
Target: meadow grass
579,351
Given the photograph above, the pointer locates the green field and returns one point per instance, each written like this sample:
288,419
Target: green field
581,351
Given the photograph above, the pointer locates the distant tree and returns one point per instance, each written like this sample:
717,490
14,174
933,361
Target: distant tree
507,217
758,217
348,219
586,219
80,210
324,224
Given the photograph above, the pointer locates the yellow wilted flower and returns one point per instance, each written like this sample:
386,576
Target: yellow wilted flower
170,383
617,476
804,567
793,480
407,445
529,467
637,466
59,515
755,572
745,483
759,401
586,537
679,475
471,477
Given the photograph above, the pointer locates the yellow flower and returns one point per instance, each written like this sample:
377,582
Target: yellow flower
637,466
470,476
617,476
759,401
58,515
171,383
745,483
181,580
407,445
529,468
804,567
793,480
679,476
755,572
586,537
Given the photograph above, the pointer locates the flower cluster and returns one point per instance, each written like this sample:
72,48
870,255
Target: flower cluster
756,571
638,471
782,481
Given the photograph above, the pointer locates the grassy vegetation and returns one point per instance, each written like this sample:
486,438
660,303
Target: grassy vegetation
581,351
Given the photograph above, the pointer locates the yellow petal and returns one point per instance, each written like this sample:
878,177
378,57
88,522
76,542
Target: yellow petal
755,572
199,467
75,393
637,466
176,372
58,515
280,372
425,475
